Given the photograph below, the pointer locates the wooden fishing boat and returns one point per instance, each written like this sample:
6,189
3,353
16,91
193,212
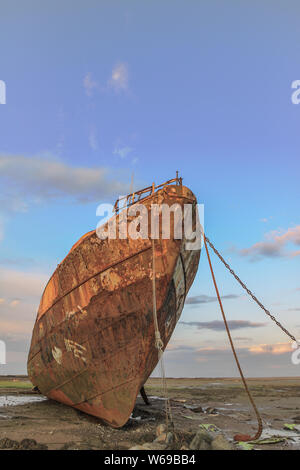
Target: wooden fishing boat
93,342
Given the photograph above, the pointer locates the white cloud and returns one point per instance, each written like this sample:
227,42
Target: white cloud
16,323
274,349
89,84
26,284
118,81
1,230
274,245
119,77
93,141
205,299
16,327
47,178
218,325
266,219
260,360
122,151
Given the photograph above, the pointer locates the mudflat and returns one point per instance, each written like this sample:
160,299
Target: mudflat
196,402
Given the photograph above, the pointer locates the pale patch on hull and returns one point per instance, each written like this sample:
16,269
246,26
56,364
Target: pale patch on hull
77,349
57,354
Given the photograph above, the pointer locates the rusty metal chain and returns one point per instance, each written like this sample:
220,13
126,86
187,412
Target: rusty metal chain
249,291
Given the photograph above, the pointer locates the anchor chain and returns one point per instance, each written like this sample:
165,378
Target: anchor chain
249,291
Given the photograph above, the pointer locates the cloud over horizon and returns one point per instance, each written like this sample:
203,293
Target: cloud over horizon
274,245
205,299
89,84
119,78
122,151
40,179
117,82
217,361
218,325
17,314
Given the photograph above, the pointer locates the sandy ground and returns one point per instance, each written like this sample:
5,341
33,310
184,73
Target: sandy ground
60,427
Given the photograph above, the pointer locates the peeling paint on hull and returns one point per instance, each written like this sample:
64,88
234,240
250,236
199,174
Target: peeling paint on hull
93,341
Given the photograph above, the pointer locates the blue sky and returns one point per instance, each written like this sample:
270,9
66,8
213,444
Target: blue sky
98,90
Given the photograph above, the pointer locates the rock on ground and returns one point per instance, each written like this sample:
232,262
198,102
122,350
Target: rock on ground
201,440
161,429
25,444
221,443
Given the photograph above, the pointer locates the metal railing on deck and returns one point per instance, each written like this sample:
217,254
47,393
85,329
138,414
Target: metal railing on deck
137,196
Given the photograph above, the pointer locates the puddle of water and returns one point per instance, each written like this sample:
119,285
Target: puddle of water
238,408
140,418
202,387
137,418
14,400
157,398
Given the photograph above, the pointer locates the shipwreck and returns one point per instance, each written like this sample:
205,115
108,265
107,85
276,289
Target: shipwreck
93,344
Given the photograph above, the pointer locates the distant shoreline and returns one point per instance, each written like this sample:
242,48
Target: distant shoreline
288,377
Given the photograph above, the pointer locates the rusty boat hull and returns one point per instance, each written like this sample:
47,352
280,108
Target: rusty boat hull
93,343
